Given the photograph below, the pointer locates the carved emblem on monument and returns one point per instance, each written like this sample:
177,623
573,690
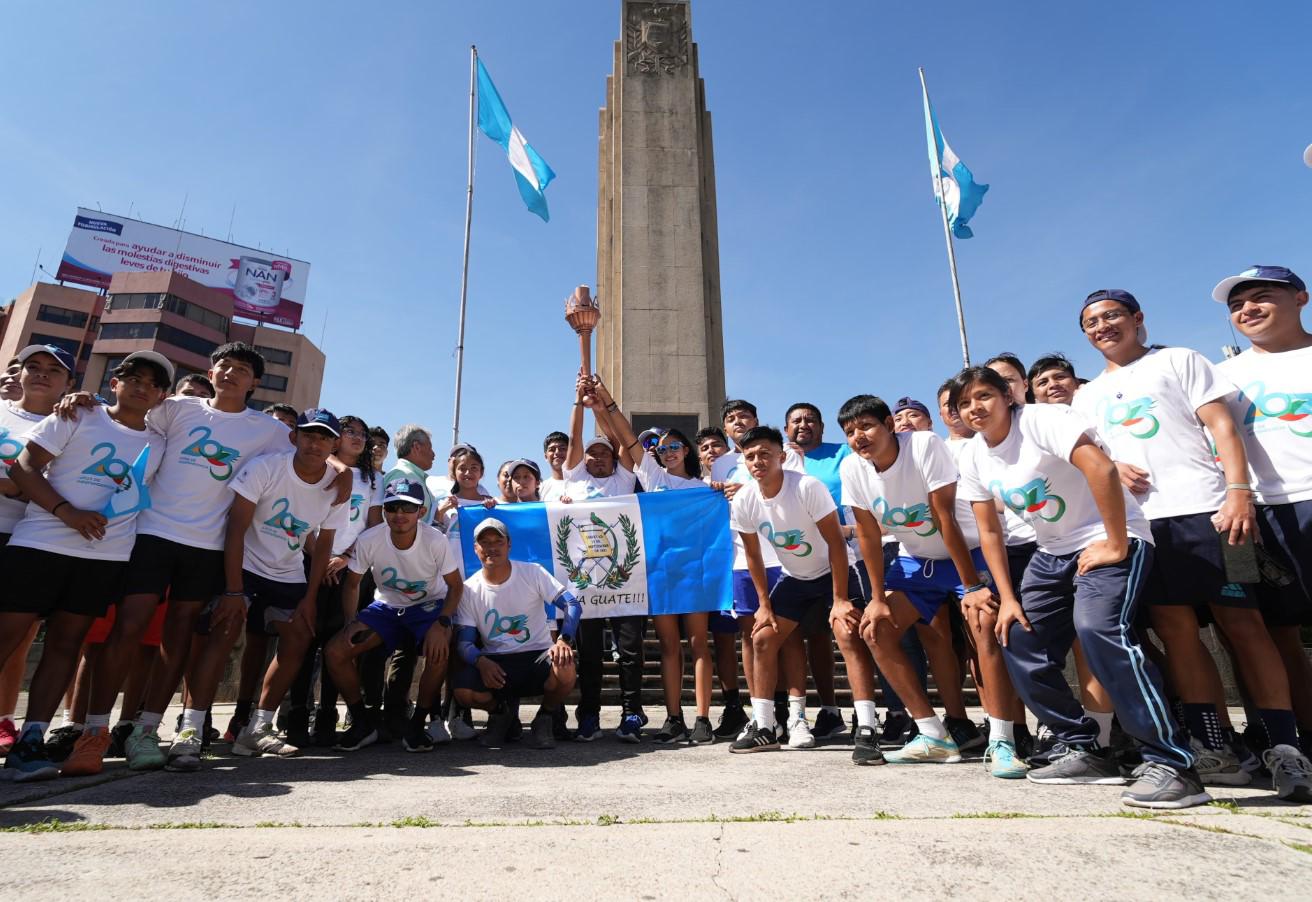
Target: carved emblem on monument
656,38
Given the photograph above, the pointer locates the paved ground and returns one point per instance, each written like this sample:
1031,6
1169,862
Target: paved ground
626,821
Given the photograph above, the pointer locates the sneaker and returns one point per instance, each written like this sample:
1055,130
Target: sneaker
1023,740
61,742
828,725
235,726
1047,748
701,734
1251,763
926,750
899,729
865,746
264,741
325,733
755,739
460,729
8,735
1079,766
1291,773
800,735
589,728
498,724
540,734
781,716
1255,737
1162,786
438,732
27,759
184,752
118,738
560,725
87,757
1218,767
416,738
732,720
673,730
965,734
396,722
515,731
360,734
630,729
1003,761
142,749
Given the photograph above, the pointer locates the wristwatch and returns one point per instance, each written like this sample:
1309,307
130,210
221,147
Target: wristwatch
444,620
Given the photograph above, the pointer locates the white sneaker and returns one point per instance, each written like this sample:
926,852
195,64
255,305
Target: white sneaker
251,744
458,730
1291,773
438,732
799,734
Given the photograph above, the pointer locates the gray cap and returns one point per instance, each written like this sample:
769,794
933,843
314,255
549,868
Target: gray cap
491,523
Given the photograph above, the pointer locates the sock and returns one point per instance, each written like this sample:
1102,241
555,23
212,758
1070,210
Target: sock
75,726
731,699
866,715
1001,729
796,707
97,722
359,712
121,721
8,717
1204,724
763,712
932,727
193,719
261,719
39,725
148,720
68,718
243,711
1280,726
1104,721
420,716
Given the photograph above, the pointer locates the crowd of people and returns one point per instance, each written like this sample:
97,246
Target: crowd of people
1111,517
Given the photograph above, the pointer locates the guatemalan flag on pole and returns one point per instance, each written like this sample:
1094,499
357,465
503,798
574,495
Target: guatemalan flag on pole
531,171
961,195
654,553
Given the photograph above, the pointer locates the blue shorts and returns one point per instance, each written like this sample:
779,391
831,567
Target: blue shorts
392,624
1287,542
793,598
526,674
745,601
928,583
1189,566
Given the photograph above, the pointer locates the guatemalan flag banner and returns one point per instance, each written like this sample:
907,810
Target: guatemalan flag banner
532,173
653,553
961,194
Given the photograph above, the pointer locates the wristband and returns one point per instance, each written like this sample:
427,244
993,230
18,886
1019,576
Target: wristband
57,507
976,587
1238,486
233,595
612,406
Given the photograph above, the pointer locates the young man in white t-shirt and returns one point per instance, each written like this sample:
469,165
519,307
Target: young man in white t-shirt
505,622
797,516
418,590
1163,413
1273,408
86,479
555,448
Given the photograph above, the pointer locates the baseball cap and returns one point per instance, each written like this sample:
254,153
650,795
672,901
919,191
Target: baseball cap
156,358
491,523
599,440
1120,295
1281,274
65,359
910,404
319,418
403,490
460,446
510,465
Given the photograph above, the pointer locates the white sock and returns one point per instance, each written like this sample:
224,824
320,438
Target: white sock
866,714
8,717
763,712
261,718
68,718
796,707
193,719
148,721
1001,729
932,727
1104,721
97,722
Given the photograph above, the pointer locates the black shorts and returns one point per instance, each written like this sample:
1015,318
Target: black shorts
816,620
805,600
1286,589
269,602
526,674
4,538
160,566
1189,566
44,582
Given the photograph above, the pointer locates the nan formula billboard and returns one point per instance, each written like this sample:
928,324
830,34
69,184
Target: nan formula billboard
263,285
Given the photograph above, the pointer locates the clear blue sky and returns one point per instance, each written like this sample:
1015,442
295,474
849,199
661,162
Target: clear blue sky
1127,144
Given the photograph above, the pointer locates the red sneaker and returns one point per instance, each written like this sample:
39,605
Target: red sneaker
8,735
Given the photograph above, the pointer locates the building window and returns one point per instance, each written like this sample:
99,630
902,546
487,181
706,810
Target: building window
61,316
111,364
196,313
68,344
133,331
186,340
279,356
270,382
134,302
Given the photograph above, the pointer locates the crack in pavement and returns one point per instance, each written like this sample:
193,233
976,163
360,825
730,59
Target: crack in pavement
719,862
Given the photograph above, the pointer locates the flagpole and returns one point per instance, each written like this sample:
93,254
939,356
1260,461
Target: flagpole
947,234
464,269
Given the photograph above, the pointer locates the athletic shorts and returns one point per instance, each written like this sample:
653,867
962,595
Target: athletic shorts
1286,590
43,582
929,583
816,620
793,598
723,622
153,636
268,602
1189,566
745,602
4,538
526,674
160,566
1018,558
393,624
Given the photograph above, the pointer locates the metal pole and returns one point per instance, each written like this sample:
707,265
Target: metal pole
464,270
947,236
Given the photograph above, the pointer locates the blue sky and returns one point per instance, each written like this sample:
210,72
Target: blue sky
1127,145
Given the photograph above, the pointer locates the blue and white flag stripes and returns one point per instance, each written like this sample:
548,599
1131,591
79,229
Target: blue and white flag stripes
130,493
963,195
532,173
654,553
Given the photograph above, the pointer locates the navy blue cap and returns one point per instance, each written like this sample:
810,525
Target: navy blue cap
64,358
1119,295
910,404
1281,274
403,490
321,418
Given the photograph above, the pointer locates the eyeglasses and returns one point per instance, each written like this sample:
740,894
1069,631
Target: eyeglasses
1109,317
672,446
400,507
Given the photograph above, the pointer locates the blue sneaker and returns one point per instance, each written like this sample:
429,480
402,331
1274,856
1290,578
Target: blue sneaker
28,761
1002,761
589,728
630,728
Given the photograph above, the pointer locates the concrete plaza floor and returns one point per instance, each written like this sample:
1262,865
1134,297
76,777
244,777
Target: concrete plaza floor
629,821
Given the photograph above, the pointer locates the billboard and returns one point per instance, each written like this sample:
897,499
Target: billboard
261,284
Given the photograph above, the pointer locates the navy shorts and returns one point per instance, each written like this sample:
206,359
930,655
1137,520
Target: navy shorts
1189,566
927,583
1018,558
816,620
393,624
44,582
793,598
268,602
526,674
162,567
1286,593
745,601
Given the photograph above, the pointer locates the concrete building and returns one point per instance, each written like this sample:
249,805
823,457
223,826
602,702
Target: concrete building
164,312
660,343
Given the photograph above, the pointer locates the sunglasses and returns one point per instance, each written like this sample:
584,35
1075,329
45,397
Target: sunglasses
672,446
650,442
400,507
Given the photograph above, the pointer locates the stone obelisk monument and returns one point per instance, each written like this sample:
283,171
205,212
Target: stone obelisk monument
660,346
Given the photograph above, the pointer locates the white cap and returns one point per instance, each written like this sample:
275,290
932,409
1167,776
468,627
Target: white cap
599,440
154,357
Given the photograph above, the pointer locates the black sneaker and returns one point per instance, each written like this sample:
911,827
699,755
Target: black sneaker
540,733
394,724
756,739
828,725
1249,762
1163,786
732,720
964,733
899,729
1079,766
1047,748
61,742
117,737
27,760
560,725
498,725
865,747
416,738
673,730
701,734
781,718
1023,740
325,733
362,733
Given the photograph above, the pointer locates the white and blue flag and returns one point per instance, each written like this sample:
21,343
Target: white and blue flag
532,173
962,195
653,553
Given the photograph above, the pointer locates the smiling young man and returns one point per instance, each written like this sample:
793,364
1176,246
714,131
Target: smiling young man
1052,380
1160,411
555,448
